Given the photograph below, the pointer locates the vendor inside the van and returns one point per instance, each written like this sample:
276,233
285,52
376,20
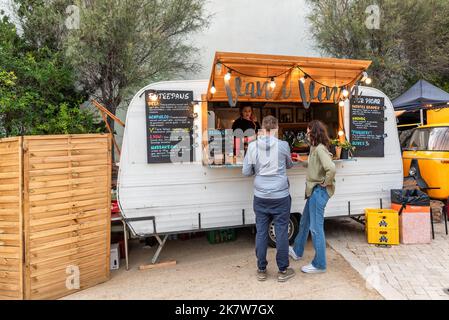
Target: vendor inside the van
247,122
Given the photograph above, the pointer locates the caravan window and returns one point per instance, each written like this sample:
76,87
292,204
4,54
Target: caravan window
430,139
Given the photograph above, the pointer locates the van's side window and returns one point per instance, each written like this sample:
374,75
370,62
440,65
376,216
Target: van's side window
439,139
419,140
430,139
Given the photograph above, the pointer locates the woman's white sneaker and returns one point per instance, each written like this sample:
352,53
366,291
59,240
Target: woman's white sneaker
311,269
292,254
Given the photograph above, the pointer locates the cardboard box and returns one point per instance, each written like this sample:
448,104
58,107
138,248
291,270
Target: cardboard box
415,228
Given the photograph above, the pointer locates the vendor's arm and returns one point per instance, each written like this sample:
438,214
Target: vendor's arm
328,165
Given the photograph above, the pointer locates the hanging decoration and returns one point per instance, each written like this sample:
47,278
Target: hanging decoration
307,87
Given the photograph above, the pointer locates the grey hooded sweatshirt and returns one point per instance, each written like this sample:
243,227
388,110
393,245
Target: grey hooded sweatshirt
268,158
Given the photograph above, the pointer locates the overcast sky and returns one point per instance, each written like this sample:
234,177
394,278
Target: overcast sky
255,26
252,26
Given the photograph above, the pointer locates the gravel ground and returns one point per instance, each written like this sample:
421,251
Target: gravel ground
225,271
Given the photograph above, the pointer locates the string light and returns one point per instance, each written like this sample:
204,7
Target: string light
272,83
364,76
153,97
212,88
341,133
341,104
227,76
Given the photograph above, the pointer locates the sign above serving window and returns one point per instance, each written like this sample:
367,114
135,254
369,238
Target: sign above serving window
309,91
239,77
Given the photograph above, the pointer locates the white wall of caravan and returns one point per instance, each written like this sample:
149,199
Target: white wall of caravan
176,194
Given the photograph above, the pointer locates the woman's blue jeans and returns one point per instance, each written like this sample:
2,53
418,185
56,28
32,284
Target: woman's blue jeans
313,220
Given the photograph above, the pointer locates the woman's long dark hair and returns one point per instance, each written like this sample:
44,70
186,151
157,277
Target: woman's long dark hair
318,133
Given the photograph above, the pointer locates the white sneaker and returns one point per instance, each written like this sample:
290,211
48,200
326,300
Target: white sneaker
292,254
311,269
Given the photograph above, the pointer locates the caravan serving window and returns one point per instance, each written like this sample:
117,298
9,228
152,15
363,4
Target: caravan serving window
222,143
430,139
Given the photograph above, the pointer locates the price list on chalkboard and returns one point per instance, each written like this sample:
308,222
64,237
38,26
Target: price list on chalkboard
367,126
169,118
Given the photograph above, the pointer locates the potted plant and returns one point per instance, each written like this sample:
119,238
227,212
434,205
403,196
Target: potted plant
347,150
300,141
335,148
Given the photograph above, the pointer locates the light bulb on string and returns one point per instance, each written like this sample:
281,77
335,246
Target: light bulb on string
341,104
364,76
272,83
213,89
153,97
345,93
368,81
227,76
341,133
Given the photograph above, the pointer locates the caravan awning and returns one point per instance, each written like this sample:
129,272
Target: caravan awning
258,70
421,95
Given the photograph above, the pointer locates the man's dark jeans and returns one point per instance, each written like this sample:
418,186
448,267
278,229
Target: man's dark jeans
279,211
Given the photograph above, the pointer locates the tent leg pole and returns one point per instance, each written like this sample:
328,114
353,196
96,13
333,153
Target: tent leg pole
431,224
445,215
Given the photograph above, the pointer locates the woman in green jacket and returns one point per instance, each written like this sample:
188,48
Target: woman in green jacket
320,186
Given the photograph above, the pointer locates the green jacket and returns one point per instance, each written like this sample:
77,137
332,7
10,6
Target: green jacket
320,169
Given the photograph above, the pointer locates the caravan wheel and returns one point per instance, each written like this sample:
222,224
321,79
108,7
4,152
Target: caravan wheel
293,228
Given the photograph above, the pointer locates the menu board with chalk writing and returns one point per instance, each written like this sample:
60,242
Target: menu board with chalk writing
367,126
169,119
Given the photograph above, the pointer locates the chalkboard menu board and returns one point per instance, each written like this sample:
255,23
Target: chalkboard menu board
367,126
169,118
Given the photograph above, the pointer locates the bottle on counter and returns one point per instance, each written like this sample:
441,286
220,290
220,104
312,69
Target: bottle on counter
230,158
240,157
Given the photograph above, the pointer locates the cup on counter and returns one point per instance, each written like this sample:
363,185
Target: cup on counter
295,156
230,159
218,158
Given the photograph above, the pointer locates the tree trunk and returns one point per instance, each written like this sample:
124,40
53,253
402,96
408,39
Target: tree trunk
111,123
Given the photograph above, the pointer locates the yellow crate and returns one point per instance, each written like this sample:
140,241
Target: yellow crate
382,236
381,218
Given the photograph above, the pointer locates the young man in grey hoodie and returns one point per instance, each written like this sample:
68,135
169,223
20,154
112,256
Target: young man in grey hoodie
268,159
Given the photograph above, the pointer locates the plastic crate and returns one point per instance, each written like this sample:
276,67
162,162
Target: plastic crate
386,236
220,236
382,226
381,218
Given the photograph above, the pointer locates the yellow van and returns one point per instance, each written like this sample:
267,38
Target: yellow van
426,158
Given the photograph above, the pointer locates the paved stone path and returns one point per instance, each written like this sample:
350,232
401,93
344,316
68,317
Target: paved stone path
400,272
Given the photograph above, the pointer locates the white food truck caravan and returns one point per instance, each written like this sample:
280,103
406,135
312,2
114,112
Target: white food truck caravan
158,197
